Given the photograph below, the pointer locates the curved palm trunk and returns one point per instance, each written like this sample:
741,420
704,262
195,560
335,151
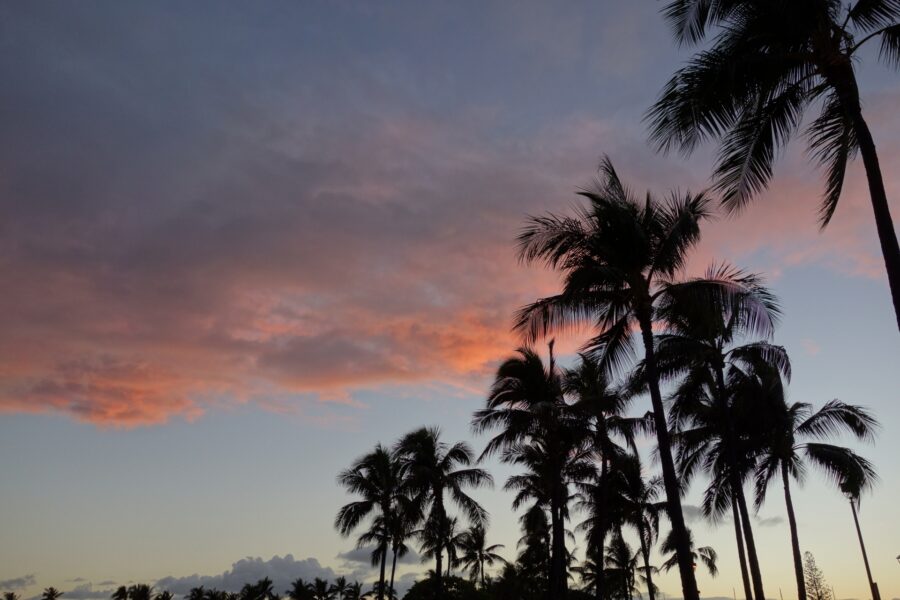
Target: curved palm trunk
862,545
844,81
795,538
670,479
381,576
645,553
752,557
441,516
739,534
393,572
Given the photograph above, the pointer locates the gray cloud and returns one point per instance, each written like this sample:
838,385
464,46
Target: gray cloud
691,512
769,521
281,570
364,556
17,583
86,591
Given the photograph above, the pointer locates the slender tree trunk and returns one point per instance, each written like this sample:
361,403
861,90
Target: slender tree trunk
843,79
739,534
381,577
752,557
645,552
558,584
393,572
795,538
670,479
862,545
601,542
441,516
735,482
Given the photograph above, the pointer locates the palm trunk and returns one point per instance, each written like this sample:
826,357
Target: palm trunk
737,487
862,545
670,479
645,552
441,516
558,586
844,81
381,577
795,538
739,534
601,580
393,572
752,557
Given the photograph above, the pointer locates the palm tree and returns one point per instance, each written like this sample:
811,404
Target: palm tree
602,407
377,478
620,564
10,596
401,526
435,469
340,587
300,590
704,554
51,593
261,590
354,591
620,257
638,504
768,62
476,554
534,555
541,432
121,593
164,595
140,591
321,590
793,438
700,351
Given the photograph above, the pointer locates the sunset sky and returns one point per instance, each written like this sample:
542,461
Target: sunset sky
240,243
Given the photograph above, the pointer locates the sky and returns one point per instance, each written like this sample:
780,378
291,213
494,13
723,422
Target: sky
241,243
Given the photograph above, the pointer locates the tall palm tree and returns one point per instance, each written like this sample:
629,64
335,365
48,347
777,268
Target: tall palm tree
377,479
638,504
299,590
354,591
704,554
401,526
435,470
701,350
321,590
476,554
51,593
794,437
855,479
140,591
602,406
620,257
767,63
340,587
540,431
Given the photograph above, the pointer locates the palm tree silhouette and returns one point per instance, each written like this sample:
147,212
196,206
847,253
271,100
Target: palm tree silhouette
476,554
434,470
340,587
700,351
638,505
10,596
377,478
321,590
792,434
768,62
121,593
300,590
620,564
620,257
164,595
540,431
354,591
51,593
140,591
